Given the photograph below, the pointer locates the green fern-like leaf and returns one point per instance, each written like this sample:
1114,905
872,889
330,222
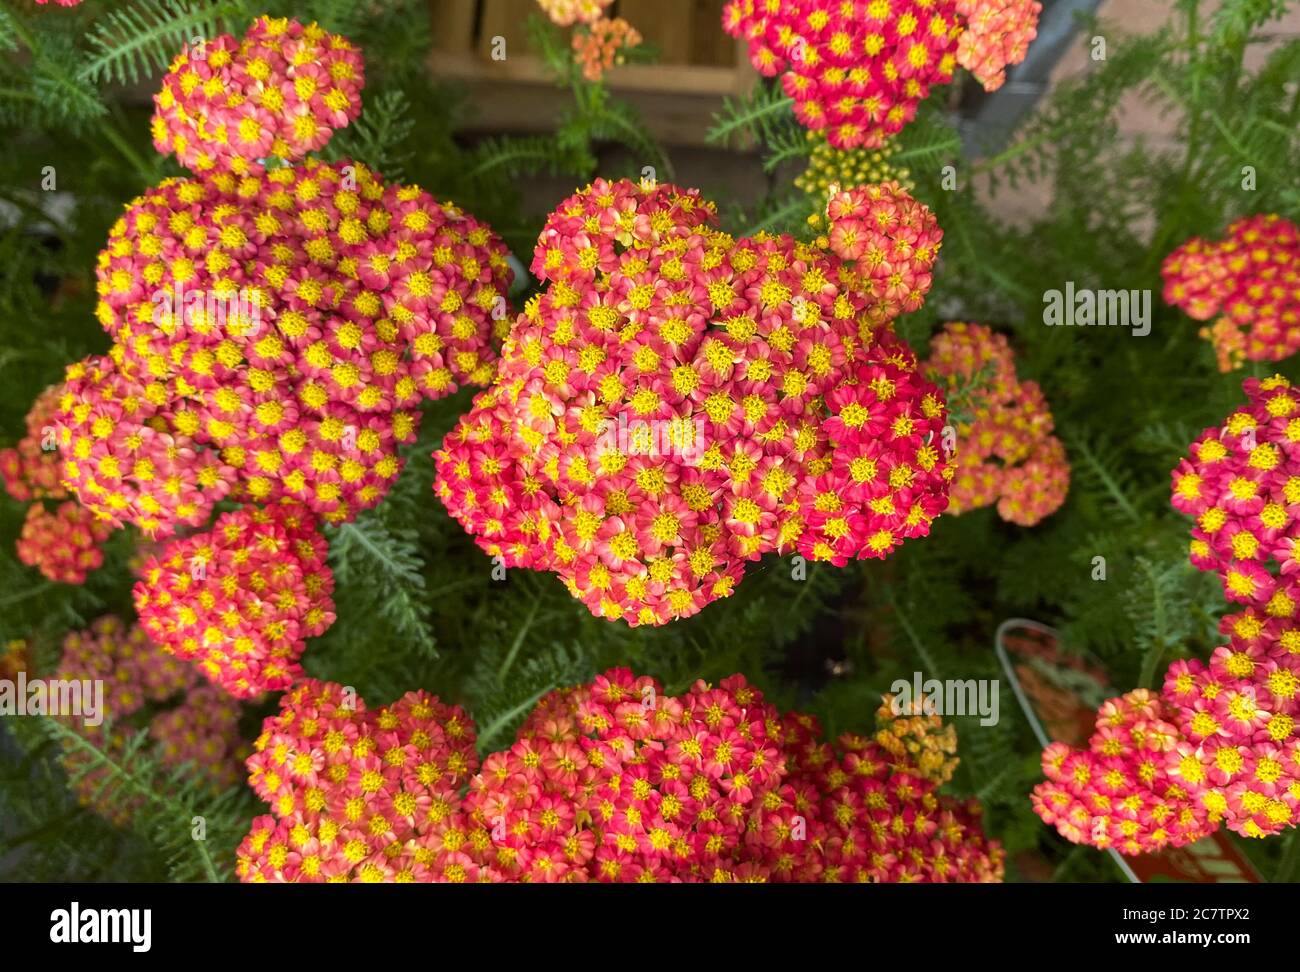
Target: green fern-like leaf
141,39
748,117
167,803
381,565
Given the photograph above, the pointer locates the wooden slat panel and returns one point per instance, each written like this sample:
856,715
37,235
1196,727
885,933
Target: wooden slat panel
452,24
508,19
710,45
665,23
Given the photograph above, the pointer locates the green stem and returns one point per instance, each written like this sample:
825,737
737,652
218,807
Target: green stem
115,137
1006,155
24,35
24,595
906,625
501,721
1290,863
46,828
519,639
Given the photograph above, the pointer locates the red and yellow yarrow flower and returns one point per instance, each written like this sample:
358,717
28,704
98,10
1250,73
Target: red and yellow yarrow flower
997,34
569,12
30,469
64,545
279,92
274,331
858,69
328,307
1241,483
612,781
200,731
125,456
1249,281
599,47
1125,790
678,402
1218,745
241,600
1005,452
358,794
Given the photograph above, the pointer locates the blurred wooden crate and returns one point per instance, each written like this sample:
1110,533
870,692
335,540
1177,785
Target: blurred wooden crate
698,64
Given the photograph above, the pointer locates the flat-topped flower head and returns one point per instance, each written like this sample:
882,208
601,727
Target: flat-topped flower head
241,599
64,545
1240,483
279,92
858,70
275,335
678,402
1248,283
30,468
360,794
997,34
1216,746
1130,789
613,781
1005,452
126,456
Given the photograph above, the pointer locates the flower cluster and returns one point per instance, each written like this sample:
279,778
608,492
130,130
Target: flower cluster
566,13
1125,790
125,457
279,92
598,48
359,795
277,333
1218,745
831,169
858,69
30,469
1005,450
855,812
61,3
1237,717
274,330
1250,280
997,34
64,545
241,600
202,729
1241,483
921,739
678,402
617,782
613,781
